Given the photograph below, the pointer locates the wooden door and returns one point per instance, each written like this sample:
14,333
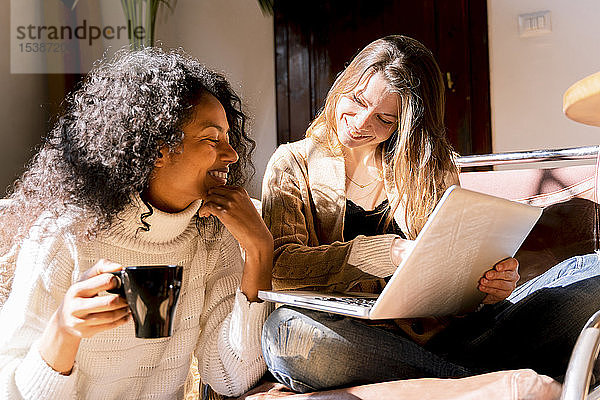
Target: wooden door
315,39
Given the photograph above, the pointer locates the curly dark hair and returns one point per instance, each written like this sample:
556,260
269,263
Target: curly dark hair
103,148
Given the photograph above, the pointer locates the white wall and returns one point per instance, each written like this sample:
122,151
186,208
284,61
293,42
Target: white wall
530,75
21,110
234,37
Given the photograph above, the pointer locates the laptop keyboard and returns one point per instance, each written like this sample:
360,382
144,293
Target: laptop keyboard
356,301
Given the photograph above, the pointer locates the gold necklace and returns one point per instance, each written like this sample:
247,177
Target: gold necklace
378,179
364,195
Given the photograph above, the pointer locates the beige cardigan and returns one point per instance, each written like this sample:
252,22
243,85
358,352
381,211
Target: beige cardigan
304,203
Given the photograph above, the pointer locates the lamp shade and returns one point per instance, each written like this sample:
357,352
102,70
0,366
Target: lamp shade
581,101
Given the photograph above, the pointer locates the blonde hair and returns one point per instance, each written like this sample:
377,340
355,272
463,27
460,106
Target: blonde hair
418,153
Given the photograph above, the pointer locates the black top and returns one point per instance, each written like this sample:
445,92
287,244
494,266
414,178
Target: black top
357,221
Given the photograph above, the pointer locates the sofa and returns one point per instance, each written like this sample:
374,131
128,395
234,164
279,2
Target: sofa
569,226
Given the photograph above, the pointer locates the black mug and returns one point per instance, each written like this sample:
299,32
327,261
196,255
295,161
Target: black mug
152,292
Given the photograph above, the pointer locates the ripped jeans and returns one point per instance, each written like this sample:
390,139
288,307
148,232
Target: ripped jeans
536,327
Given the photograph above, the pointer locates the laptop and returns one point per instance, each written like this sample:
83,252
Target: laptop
466,234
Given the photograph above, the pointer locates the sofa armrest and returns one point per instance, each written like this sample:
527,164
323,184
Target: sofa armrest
506,385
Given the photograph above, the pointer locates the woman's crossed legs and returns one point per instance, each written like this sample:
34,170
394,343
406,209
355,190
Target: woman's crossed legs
535,328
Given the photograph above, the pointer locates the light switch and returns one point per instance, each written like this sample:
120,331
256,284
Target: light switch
535,24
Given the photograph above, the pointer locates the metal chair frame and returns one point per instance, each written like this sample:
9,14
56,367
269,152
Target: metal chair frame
532,156
581,365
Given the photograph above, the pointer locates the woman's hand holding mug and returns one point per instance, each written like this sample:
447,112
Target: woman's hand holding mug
83,314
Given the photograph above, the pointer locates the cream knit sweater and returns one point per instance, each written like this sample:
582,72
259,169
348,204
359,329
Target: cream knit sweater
214,319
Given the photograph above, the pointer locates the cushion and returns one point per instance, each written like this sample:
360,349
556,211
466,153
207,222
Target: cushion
569,224
502,385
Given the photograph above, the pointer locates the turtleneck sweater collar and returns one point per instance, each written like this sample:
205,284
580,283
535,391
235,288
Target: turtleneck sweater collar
165,228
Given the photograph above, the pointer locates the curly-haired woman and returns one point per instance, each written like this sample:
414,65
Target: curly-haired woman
143,168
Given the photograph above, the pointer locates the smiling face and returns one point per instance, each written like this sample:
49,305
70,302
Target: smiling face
367,115
201,161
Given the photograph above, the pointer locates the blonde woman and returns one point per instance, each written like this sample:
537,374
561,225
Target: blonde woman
344,205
